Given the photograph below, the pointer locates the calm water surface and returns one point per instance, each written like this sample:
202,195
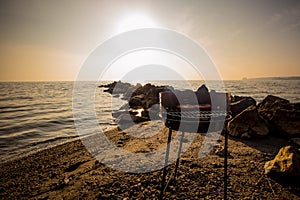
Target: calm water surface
37,115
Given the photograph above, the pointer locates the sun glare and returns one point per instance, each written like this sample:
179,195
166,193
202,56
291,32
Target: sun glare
135,21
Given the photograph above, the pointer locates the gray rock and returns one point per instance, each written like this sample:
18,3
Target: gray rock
270,104
248,124
241,103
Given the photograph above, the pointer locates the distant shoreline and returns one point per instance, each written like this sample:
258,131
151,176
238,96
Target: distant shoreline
274,78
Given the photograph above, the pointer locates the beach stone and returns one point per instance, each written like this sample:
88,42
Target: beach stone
239,104
283,117
286,163
137,101
221,153
248,124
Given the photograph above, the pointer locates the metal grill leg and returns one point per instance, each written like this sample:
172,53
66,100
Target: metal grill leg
225,164
166,165
178,157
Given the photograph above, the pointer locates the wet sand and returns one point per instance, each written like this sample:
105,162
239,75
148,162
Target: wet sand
69,171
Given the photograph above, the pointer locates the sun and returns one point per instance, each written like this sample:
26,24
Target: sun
133,21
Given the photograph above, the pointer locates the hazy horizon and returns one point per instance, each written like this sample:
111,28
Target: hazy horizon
111,80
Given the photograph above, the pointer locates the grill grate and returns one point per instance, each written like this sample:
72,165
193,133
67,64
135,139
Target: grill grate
195,116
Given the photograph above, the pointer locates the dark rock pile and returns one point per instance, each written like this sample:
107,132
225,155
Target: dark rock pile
142,101
278,115
273,116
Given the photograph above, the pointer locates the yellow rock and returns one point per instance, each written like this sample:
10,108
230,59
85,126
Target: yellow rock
287,161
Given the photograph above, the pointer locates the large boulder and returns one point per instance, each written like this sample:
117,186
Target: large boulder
152,95
203,95
285,164
248,124
270,105
137,101
239,104
146,96
283,117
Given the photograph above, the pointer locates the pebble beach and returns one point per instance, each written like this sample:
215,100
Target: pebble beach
69,171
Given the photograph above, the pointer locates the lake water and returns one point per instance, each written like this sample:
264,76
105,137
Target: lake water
38,115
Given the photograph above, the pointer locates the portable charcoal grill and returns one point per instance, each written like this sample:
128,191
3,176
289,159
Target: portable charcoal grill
184,114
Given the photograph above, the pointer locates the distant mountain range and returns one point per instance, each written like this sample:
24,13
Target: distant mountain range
275,78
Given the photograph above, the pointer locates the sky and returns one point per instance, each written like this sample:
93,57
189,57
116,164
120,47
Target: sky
50,40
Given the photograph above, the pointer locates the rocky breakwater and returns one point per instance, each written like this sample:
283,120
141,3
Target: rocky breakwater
142,102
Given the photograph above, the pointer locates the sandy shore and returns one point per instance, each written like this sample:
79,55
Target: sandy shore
69,171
